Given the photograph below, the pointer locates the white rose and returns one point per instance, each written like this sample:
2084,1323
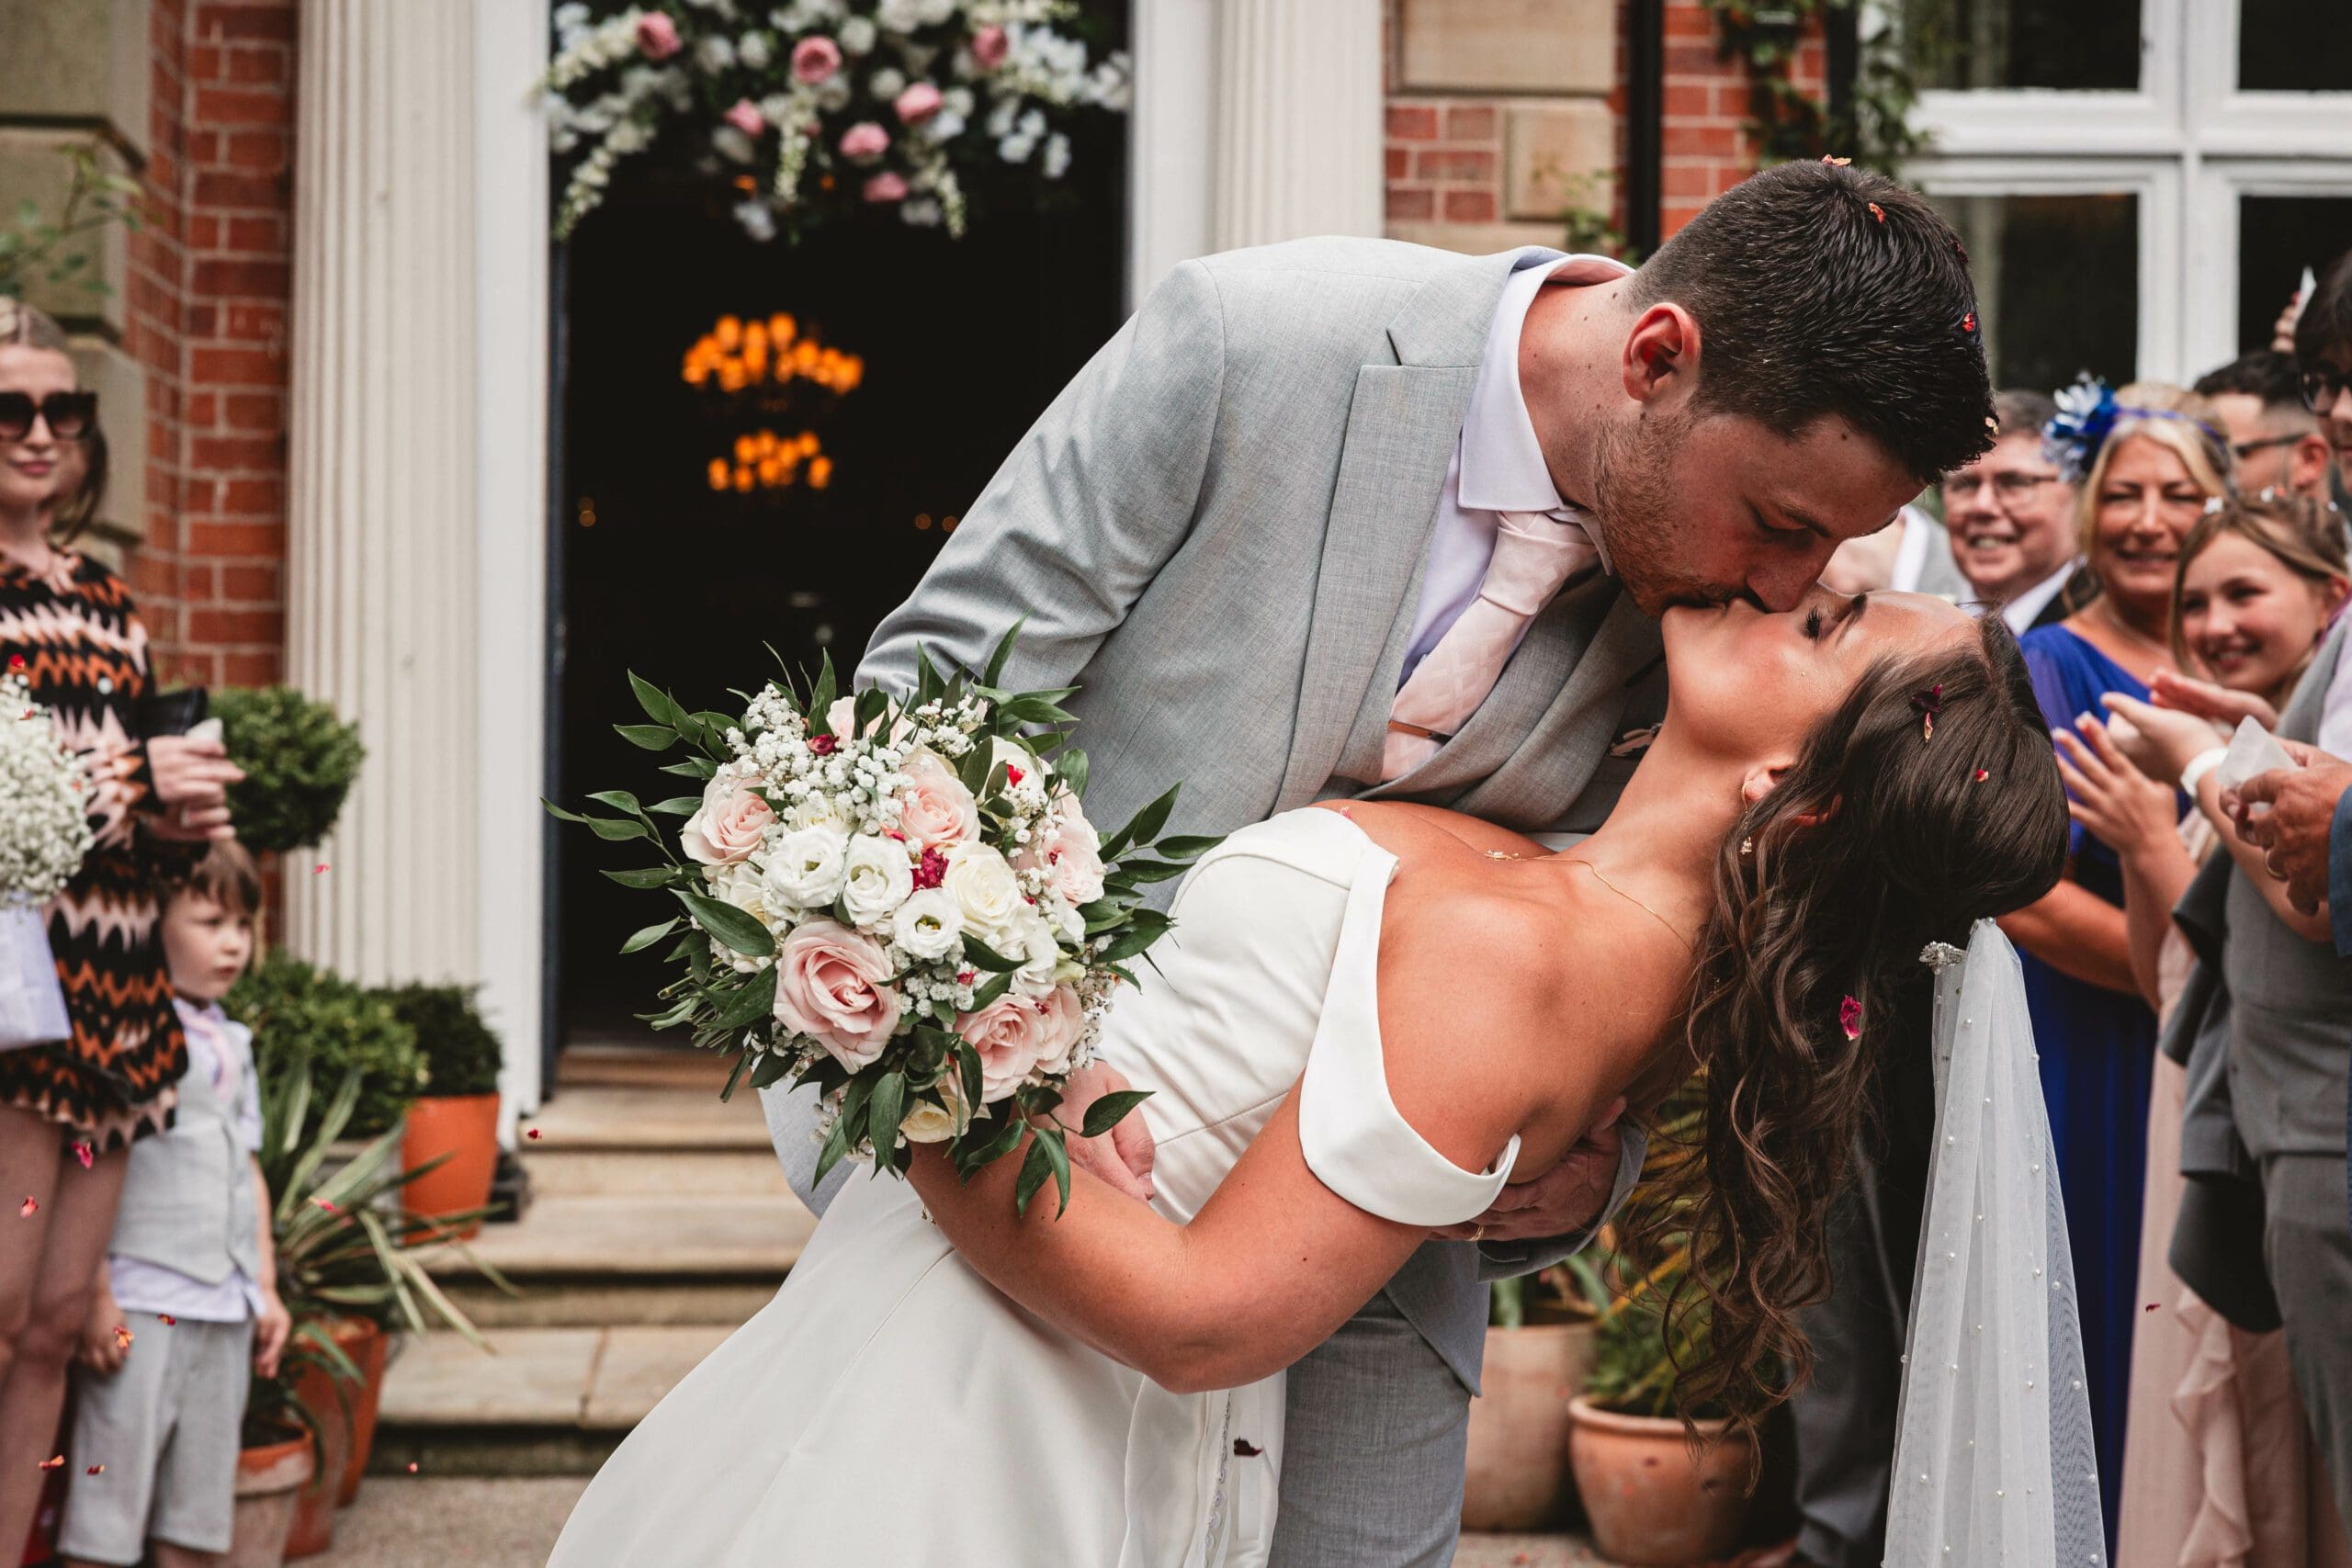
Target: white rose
806,867
928,1123
746,888
1014,759
986,892
928,924
875,878
1040,957
819,811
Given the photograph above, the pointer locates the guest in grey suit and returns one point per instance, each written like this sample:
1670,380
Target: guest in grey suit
1240,528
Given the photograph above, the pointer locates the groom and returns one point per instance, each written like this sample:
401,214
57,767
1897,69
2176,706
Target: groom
1252,530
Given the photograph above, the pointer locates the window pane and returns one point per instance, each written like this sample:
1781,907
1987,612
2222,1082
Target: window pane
2278,237
2080,45
2059,278
2294,46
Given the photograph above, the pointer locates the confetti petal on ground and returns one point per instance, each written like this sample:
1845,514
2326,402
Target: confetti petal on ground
412,1467
531,1133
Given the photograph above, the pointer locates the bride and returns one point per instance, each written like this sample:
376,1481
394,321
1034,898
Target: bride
1369,1019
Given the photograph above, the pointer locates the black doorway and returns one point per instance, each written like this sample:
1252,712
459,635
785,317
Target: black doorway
962,344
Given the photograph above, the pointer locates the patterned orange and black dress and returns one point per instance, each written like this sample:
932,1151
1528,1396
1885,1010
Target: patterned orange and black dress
85,658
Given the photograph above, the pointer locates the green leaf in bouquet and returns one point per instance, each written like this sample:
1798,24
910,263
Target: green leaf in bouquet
692,768
1057,1154
688,945
967,1068
871,704
728,924
649,936
676,805
1135,870
678,1014
981,955
1187,847
1105,1112
1138,936
1144,825
613,829
773,1066
734,1075
559,814
828,687
1073,767
996,985
651,736
998,1136
619,800
714,725
659,706
882,1114
1034,707
1035,1170
836,1144
646,876
973,772
1002,654
755,1000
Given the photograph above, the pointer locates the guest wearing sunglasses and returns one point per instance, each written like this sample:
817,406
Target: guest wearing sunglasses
70,1108
2011,517
2272,432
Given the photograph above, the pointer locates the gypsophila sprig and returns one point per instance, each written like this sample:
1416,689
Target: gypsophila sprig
44,800
900,900
821,108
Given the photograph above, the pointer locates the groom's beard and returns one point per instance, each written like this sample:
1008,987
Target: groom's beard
1633,492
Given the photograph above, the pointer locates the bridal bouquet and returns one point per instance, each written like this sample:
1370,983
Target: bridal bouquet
44,834
902,902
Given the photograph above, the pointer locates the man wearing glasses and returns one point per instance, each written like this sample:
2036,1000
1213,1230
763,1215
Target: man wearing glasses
2011,517
2272,430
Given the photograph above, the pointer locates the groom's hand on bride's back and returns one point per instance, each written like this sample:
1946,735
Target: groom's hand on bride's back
1563,1201
1122,1156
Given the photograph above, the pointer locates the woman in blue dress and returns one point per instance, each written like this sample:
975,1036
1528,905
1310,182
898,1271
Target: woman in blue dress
2150,461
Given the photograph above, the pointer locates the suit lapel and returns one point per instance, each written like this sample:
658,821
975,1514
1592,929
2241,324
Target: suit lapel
1403,422
1557,755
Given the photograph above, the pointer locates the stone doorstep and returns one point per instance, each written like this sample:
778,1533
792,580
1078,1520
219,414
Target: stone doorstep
539,1379
667,1118
597,1303
736,1238
636,1173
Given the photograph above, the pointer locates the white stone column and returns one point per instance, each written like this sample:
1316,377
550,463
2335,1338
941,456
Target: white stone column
382,592
1298,120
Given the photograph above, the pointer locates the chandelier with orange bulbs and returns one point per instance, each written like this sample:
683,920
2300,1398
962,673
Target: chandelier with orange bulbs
772,359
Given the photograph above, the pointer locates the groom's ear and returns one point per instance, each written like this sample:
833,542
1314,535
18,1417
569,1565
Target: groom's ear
1661,352
1765,776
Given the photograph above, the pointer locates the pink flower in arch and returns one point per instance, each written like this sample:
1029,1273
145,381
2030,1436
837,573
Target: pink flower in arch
656,36
918,102
989,45
886,187
814,59
746,117
865,140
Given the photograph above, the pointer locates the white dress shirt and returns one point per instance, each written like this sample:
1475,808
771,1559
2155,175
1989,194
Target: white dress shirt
2335,736
2021,610
1498,463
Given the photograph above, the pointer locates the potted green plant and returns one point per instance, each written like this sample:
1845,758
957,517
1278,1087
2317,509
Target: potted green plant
300,1012
300,758
278,1453
1539,1344
452,1140
1655,1498
344,1272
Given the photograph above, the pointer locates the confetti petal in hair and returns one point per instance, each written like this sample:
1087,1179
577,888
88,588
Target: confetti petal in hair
1849,1018
81,1152
28,1208
16,661
1968,323
1878,212
1928,703
1982,775
1832,157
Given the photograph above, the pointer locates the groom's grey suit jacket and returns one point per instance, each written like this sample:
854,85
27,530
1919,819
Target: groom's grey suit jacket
1218,532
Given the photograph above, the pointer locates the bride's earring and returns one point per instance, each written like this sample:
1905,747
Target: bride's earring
1746,847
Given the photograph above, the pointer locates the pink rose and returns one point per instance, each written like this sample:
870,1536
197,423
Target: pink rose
865,140
814,59
746,117
732,823
918,102
1015,1036
886,187
935,810
829,986
656,36
1068,851
990,46
841,719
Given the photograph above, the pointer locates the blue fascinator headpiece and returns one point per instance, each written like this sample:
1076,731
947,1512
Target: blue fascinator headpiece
2087,414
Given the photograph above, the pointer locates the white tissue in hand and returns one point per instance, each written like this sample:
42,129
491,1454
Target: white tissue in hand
2252,749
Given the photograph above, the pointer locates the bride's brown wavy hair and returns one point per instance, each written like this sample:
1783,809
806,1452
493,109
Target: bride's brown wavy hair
1883,838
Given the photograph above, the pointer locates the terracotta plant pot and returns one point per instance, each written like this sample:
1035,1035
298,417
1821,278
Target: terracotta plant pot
370,1349
268,1479
465,1127
1520,1478
1651,1502
336,1418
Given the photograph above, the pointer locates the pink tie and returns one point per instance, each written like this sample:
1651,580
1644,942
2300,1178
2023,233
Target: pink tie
1536,554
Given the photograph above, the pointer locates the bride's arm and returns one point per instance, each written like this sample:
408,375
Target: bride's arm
1275,1262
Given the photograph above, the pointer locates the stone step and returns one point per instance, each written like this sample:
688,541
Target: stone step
625,1117
541,1402
640,1066
597,1304
593,1172
669,1238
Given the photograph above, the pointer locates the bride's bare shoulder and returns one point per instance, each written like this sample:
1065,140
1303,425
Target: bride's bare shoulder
1434,825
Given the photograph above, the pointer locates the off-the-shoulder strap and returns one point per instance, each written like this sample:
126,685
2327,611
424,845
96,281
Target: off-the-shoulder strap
1356,1141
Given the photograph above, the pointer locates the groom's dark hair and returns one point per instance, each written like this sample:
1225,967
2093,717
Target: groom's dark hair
1823,289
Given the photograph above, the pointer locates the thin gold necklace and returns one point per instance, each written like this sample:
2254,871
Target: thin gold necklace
1672,929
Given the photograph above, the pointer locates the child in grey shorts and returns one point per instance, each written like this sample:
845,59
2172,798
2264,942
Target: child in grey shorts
188,1296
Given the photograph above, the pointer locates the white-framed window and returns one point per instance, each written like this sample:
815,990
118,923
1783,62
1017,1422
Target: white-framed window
2139,183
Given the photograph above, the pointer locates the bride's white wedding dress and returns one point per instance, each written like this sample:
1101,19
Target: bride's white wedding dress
889,1407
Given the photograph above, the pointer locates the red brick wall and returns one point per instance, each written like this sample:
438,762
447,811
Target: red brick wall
1445,155
212,281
